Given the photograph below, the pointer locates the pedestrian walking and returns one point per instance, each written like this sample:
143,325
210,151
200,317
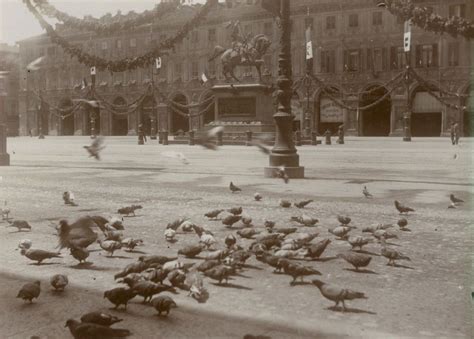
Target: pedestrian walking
340,134
327,134
30,133
456,133
141,135
453,140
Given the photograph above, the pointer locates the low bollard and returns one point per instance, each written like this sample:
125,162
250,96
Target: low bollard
4,156
314,138
298,138
160,137
328,135
191,138
249,138
220,136
165,137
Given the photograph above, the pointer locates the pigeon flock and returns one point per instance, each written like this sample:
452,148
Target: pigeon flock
213,257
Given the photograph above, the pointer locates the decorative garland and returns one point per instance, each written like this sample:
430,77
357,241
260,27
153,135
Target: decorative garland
100,27
126,63
429,21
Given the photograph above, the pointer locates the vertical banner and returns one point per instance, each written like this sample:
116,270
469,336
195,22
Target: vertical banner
93,74
309,49
407,36
158,63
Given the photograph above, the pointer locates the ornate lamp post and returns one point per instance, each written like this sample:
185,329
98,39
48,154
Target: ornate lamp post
93,118
407,115
284,151
39,117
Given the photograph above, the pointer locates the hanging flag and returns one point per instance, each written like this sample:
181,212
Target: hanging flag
84,83
35,64
204,78
158,63
309,44
407,36
93,70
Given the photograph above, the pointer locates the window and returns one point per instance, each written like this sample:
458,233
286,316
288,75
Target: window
328,64
331,22
353,20
104,45
194,70
457,10
268,29
352,60
427,55
195,37
211,35
453,54
377,18
397,58
118,43
133,42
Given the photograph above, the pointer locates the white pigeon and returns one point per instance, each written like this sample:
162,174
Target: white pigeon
170,234
176,155
35,64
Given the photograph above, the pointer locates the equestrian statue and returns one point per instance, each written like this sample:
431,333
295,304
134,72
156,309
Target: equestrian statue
245,51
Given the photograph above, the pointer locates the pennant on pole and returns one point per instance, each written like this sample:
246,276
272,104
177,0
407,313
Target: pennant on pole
407,36
158,63
93,70
309,44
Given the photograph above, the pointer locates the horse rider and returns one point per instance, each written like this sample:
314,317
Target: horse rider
239,42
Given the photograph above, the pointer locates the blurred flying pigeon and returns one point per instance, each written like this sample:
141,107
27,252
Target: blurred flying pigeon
280,172
176,155
78,234
35,64
95,148
366,193
206,140
455,200
234,188
337,294
401,208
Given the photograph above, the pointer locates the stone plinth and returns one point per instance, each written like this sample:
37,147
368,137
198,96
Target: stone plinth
4,156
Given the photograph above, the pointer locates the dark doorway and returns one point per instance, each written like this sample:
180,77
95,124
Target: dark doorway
43,119
145,114
468,121
120,120
209,115
376,120
426,124
67,119
330,114
178,121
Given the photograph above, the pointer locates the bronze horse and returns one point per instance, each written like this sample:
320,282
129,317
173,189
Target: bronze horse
242,54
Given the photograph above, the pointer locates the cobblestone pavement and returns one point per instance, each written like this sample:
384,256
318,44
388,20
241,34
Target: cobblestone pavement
428,297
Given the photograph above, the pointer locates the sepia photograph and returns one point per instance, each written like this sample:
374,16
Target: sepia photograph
242,169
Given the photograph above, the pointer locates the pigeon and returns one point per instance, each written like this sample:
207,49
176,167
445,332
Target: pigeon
191,251
231,220
120,296
246,220
366,193
217,255
235,210
358,241
316,250
157,275
91,330
240,257
25,244
291,253
80,254
296,270
130,243
207,265
112,234
280,172
343,220
156,259
303,203
170,235
187,226
284,203
305,238
219,273
379,234
20,225
337,294
30,291
175,224
305,220
176,155
340,232
391,254
100,318
135,267
129,210
68,198
234,188
196,287
5,211
213,214
401,208
356,259
206,140
59,282
455,200
163,303
402,223
78,234
247,232
95,148
39,255
269,224
257,196
148,289
176,278
272,260
110,246
452,205
285,231
205,237
35,65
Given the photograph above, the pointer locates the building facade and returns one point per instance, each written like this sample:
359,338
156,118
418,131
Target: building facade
357,48
9,88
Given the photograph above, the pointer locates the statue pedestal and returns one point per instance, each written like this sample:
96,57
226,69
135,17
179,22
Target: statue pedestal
244,107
